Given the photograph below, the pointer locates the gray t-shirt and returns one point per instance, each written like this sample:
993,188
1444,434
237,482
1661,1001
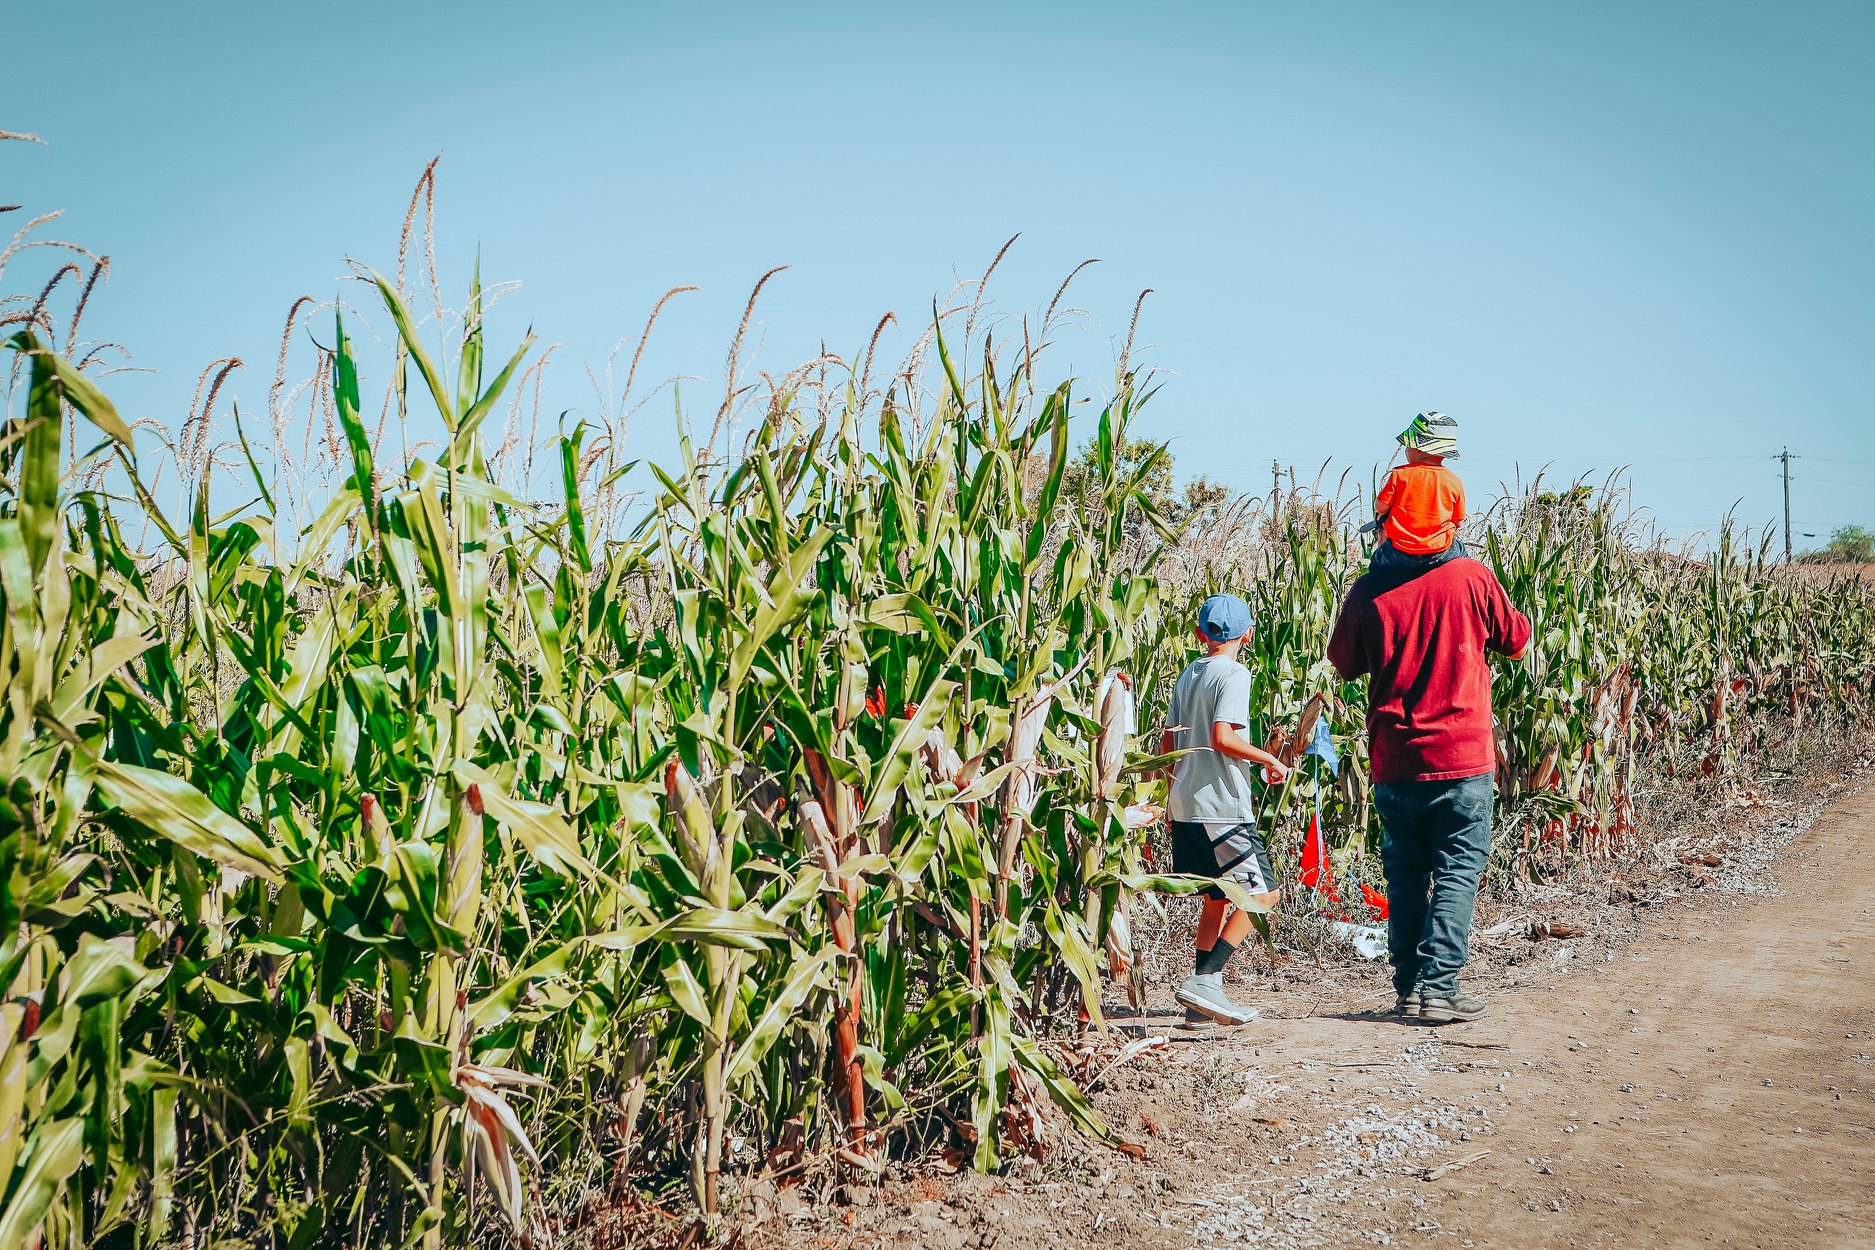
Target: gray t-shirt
1209,787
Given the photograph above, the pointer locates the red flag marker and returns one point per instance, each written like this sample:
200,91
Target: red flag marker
1376,901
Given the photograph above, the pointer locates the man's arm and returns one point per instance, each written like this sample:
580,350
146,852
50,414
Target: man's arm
1510,629
1345,650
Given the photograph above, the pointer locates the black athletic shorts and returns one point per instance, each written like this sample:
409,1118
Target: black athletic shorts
1234,851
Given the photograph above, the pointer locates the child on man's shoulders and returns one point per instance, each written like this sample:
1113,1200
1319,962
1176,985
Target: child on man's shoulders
1422,503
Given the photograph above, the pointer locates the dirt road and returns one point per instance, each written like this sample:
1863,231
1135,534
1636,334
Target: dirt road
1713,1086
1712,1083
1705,1076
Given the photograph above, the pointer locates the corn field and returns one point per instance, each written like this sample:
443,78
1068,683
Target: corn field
405,858
1644,659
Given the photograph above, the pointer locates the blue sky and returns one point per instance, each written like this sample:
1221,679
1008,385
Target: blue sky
1598,234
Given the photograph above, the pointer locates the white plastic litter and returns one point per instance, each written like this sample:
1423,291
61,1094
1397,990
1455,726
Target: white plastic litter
1368,940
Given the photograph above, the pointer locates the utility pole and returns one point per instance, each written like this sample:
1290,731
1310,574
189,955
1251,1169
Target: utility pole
1786,458
1276,479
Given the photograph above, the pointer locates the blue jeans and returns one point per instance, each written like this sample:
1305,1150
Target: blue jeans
1435,841
1389,558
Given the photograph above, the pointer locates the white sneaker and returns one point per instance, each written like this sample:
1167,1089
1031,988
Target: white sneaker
1204,993
1196,1021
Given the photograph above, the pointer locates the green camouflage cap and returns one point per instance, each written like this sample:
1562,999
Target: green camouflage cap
1433,433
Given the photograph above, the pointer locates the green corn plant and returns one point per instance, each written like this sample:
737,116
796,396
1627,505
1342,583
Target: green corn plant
73,1097
390,878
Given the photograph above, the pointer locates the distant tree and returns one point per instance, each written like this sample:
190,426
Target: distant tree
1174,500
1577,497
1851,544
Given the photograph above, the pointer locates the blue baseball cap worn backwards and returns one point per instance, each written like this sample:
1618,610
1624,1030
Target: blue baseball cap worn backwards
1224,617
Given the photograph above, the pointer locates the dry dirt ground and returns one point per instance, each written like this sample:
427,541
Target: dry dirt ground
1697,1069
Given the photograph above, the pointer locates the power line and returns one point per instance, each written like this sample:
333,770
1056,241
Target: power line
1711,481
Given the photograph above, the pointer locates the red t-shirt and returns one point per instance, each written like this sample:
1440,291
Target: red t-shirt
1421,638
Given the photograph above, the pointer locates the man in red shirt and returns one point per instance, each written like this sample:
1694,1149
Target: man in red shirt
1421,636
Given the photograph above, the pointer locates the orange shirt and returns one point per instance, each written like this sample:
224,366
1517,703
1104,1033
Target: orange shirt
1422,505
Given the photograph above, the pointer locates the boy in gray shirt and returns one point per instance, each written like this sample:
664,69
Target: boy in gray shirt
1214,829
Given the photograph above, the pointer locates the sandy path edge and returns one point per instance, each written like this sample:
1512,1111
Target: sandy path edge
1718,1077
1712,1083
1618,1086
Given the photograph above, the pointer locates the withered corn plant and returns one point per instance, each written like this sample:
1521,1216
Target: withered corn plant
1714,660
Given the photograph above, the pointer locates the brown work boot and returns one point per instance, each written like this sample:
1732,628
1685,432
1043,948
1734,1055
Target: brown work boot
1453,1008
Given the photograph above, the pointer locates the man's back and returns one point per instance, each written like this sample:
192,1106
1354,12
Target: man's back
1421,636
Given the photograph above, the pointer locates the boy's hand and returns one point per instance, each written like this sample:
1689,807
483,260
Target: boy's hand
1274,774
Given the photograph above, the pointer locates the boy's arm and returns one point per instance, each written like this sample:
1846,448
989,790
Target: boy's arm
1227,741
1174,721
1232,711
1458,503
1168,743
1383,502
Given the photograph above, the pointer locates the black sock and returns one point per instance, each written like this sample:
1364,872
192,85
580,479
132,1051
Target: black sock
1214,959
